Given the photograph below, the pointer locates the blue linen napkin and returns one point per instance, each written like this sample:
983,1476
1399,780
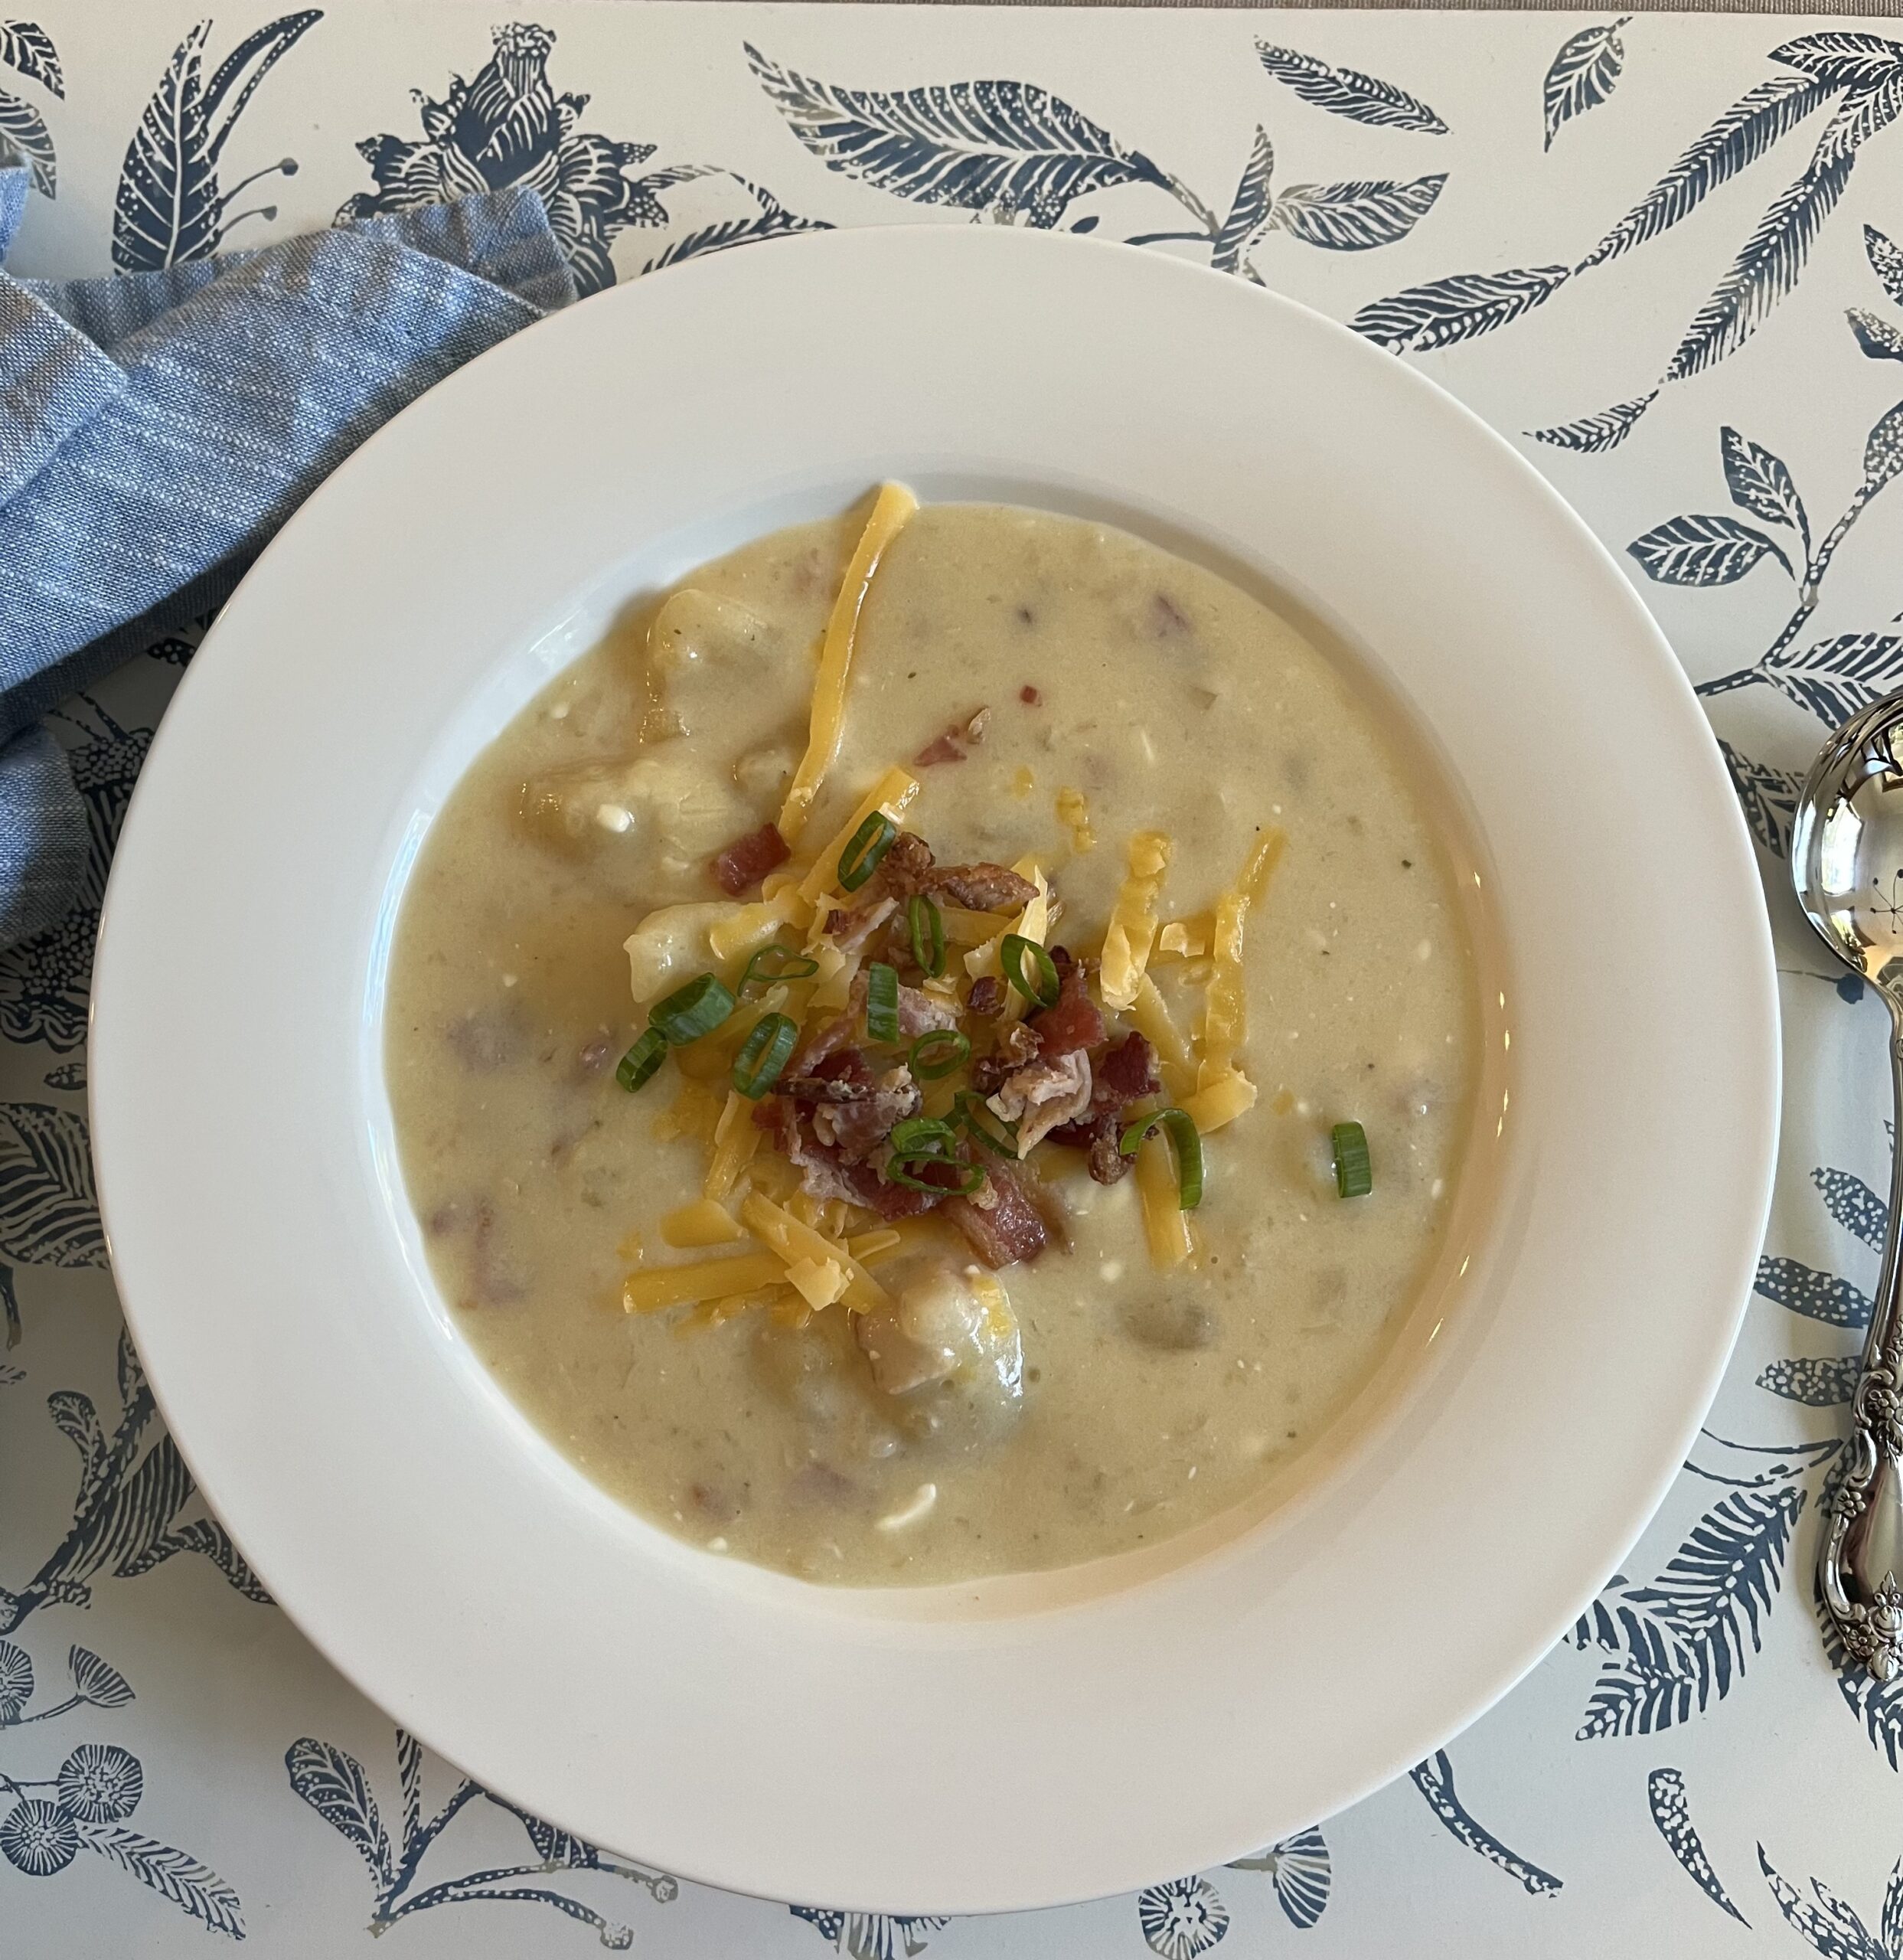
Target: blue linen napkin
156,428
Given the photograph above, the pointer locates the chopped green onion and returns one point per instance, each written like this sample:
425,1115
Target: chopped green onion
776,963
955,1051
864,848
763,1054
927,926
918,1136
970,1176
1189,1150
968,1109
637,1065
691,1011
881,1002
1354,1174
1043,989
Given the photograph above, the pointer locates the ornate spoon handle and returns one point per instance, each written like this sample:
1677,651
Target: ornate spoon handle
1860,1562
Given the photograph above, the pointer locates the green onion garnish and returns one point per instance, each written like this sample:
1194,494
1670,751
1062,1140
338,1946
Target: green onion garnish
1354,1174
969,1110
763,1054
691,1011
970,1176
952,1051
776,963
927,926
1042,989
881,1002
637,1065
918,1136
864,848
1189,1150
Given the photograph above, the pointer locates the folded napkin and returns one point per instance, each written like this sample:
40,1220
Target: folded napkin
156,428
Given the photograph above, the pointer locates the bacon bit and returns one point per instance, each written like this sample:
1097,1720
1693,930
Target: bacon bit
1127,1074
983,887
746,860
986,997
840,1077
1030,697
1043,1096
919,1013
853,925
1073,1021
945,748
1010,1229
855,1129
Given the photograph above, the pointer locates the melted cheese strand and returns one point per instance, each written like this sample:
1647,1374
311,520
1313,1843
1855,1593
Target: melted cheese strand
1165,1223
1225,1018
1133,923
735,1138
894,507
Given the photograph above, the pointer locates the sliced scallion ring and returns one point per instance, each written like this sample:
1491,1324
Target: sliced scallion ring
636,1068
1354,1174
864,848
1188,1146
691,1011
881,1002
918,1136
905,1170
774,963
969,1111
763,1054
925,923
938,1054
1042,988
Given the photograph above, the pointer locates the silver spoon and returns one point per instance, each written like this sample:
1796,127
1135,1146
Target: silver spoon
1846,860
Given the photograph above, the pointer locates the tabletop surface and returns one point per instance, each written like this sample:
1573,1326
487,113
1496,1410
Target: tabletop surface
1712,382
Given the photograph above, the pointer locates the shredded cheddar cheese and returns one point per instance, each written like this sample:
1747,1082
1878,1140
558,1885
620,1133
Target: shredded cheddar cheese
1165,1223
1220,1102
701,1222
870,1248
1033,923
794,1241
1225,1019
750,926
1186,938
701,1279
890,512
818,1282
735,1140
892,793
1133,922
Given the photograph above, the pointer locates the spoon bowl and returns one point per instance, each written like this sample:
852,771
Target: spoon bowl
1846,863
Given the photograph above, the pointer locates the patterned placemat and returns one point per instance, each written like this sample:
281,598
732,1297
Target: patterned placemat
1665,256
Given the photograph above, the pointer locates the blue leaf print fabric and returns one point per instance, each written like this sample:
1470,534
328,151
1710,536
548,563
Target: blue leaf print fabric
114,522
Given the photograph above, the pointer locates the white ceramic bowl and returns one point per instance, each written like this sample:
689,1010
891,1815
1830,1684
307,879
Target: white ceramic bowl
1014,1742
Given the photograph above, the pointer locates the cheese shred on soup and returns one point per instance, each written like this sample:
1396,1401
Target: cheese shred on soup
943,1046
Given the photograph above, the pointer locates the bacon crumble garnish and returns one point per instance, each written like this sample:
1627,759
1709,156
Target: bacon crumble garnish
987,998
747,860
1126,1073
1009,1228
1074,1021
983,887
1029,696
951,745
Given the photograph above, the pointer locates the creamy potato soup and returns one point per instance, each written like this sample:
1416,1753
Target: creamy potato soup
779,1006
